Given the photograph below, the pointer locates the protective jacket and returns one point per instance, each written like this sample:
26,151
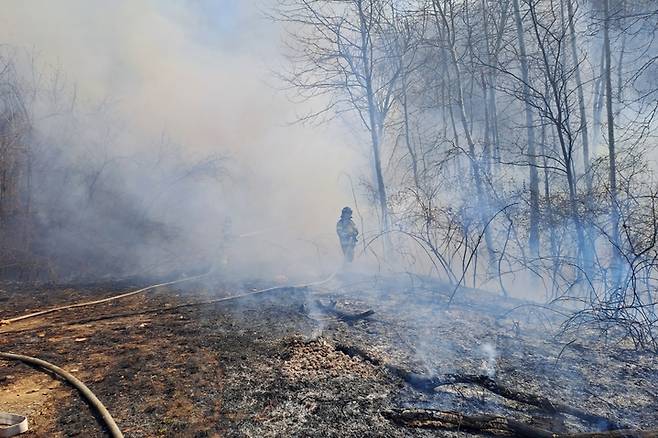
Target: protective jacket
347,234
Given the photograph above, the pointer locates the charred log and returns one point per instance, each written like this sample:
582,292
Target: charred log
622,433
494,425
429,384
343,316
491,424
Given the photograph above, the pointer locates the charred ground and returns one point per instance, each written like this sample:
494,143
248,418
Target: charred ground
275,365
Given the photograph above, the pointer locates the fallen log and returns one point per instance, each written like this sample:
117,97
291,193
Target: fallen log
491,424
346,317
428,385
621,433
495,425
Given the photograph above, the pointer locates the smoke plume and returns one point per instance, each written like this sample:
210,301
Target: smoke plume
157,123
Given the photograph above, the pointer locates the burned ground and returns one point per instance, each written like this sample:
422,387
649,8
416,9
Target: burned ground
275,365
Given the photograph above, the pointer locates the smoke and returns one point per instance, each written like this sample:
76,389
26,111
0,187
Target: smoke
161,120
490,357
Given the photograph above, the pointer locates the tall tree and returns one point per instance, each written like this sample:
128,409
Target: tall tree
446,23
581,95
533,238
612,159
342,49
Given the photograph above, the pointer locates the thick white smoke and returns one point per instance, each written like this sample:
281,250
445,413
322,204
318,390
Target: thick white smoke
176,107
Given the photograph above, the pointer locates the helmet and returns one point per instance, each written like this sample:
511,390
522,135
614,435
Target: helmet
346,212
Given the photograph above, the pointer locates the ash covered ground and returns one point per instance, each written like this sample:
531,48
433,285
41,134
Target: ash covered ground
276,364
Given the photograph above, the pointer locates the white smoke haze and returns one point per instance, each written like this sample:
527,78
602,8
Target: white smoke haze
490,357
172,104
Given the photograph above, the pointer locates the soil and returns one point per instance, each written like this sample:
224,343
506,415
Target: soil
270,365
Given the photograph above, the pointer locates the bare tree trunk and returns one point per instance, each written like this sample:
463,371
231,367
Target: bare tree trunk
407,135
581,96
599,93
560,121
533,239
494,121
376,128
489,83
614,215
453,123
488,146
548,211
620,70
475,166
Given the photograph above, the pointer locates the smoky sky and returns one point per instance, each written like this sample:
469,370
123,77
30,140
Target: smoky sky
200,73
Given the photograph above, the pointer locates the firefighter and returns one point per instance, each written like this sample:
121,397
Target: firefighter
347,233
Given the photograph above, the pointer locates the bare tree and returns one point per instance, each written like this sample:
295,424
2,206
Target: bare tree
504,88
607,74
350,51
581,94
529,120
446,27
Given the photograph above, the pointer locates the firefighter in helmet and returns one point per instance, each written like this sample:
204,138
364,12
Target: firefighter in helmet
347,233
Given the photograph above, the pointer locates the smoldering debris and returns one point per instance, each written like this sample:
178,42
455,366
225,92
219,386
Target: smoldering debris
490,358
246,367
500,250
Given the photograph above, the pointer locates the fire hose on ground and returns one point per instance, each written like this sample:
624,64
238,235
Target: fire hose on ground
12,425
92,303
89,396
18,424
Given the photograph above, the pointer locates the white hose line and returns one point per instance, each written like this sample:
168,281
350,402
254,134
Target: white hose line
92,303
12,425
96,404
244,295
115,432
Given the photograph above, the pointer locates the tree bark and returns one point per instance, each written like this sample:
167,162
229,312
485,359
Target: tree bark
581,96
533,238
560,119
376,128
495,425
489,424
475,165
614,215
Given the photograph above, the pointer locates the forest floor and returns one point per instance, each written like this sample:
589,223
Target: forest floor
273,365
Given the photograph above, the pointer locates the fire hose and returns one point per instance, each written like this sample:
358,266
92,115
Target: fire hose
91,303
93,401
18,424
12,424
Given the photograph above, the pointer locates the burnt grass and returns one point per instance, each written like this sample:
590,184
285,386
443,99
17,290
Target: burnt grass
274,365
